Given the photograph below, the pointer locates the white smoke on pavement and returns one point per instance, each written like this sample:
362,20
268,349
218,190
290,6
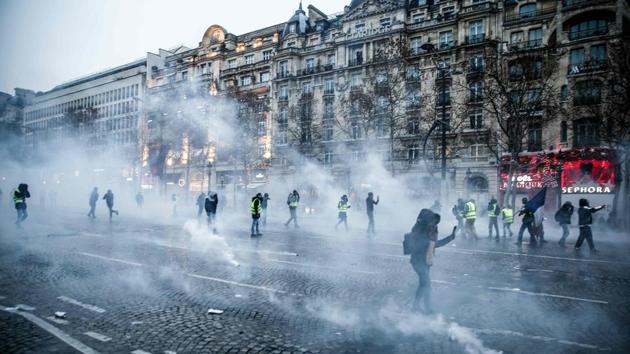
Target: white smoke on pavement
201,239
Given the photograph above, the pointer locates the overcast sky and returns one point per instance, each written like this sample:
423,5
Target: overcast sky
46,42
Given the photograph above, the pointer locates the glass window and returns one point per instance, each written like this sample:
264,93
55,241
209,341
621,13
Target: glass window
585,132
414,45
329,85
331,59
284,92
446,39
476,94
563,131
534,137
534,36
307,88
598,53
231,63
265,76
588,28
527,10
475,28
475,117
246,80
576,56
266,55
249,59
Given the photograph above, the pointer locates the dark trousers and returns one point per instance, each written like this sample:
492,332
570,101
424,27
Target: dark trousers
460,225
111,211
264,216
565,233
212,221
293,217
585,233
370,229
92,210
493,222
423,292
529,225
255,220
343,218
21,213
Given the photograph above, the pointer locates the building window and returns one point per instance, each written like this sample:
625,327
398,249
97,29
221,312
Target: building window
413,125
564,132
262,127
283,68
413,154
309,64
249,59
284,92
184,75
478,151
246,80
356,55
266,55
598,54
534,37
588,28
413,74
292,28
534,137
527,10
413,100
232,63
329,86
564,92
417,18
446,39
516,37
414,45
356,81
585,132
476,63
307,89
444,96
265,76
328,130
476,32
283,125
356,129
331,60
328,157
475,116
587,93
476,91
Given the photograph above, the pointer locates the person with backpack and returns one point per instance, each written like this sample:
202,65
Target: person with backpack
19,200
293,200
585,219
507,216
343,207
421,243
527,224
563,217
255,210
493,213
210,205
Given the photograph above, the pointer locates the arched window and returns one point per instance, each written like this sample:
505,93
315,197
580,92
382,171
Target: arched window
477,184
588,28
527,10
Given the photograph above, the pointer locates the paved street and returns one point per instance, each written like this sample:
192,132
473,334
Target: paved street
141,285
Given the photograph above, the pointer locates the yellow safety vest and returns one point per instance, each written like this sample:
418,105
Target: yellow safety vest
17,199
343,207
491,213
472,213
293,203
253,208
508,215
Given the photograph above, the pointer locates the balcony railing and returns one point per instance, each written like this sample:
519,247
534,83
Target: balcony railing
475,38
574,4
482,6
529,16
526,45
444,45
586,100
591,32
317,69
586,67
355,62
283,98
283,74
329,91
475,68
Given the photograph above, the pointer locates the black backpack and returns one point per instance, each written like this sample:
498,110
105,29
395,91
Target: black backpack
409,244
558,216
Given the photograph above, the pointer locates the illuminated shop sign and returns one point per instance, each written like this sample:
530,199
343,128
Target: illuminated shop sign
588,177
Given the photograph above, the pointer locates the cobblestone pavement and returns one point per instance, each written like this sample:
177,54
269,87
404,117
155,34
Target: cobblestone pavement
141,286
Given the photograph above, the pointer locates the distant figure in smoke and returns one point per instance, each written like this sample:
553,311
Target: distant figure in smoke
470,215
493,213
293,201
109,200
264,205
19,199
343,207
585,219
92,202
369,207
201,202
458,212
507,215
421,243
139,200
255,209
527,224
563,217
436,207
174,203
210,205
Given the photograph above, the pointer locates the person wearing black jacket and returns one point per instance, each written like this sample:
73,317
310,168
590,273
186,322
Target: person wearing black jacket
528,224
585,219
19,199
369,208
563,217
210,205
424,240
109,200
493,214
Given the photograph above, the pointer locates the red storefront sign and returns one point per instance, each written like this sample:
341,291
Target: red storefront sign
588,177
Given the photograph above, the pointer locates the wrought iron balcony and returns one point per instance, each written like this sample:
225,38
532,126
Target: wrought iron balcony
475,38
591,32
528,16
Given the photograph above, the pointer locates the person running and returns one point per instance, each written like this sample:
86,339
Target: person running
369,208
109,200
264,205
421,243
255,210
343,207
585,220
93,200
19,200
507,216
563,217
210,205
293,201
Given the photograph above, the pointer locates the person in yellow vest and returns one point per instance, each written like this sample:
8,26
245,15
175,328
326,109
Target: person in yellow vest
255,209
493,213
470,215
507,215
343,207
19,200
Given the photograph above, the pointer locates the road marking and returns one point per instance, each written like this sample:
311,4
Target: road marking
90,234
318,266
110,259
23,307
442,282
79,303
2,297
169,352
236,283
98,336
539,256
55,332
138,351
543,338
57,320
524,292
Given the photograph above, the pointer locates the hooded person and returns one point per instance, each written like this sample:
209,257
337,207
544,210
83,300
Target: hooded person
293,201
563,217
421,243
210,206
256,210
369,208
585,219
493,213
19,200
109,201
92,202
